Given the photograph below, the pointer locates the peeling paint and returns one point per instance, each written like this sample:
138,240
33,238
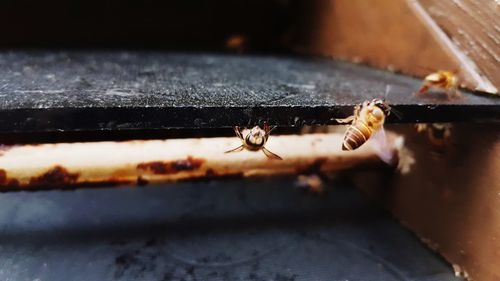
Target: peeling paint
171,167
55,176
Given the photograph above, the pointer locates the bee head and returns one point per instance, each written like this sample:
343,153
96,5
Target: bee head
256,131
256,135
382,104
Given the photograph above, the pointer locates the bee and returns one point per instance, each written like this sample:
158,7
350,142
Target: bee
367,121
442,79
311,183
237,44
439,134
254,140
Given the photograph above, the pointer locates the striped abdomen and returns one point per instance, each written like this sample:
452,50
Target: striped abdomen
440,79
357,134
254,144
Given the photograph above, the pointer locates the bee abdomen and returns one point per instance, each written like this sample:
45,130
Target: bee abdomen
253,146
356,135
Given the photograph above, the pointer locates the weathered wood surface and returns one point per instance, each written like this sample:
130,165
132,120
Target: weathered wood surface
451,196
408,36
474,26
73,91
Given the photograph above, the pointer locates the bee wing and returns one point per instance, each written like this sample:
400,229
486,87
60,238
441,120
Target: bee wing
271,155
239,148
454,93
387,90
347,120
379,143
423,89
396,112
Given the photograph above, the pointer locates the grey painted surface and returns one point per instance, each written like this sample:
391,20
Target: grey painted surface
234,230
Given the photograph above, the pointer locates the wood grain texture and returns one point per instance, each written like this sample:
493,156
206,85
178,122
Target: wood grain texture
474,26
397,35
375,32
451,197
107,90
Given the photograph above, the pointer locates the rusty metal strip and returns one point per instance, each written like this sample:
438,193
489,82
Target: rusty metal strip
71,165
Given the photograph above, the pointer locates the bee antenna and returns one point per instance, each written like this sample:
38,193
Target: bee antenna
387,90
398,113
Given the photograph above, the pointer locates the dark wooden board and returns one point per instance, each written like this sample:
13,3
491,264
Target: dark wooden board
74,91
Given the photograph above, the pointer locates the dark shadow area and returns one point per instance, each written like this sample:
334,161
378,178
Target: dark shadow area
264,229
166,25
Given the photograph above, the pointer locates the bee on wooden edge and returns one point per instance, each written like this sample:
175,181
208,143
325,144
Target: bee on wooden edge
237,44
310,183
444,80
438,134
367,122
255,139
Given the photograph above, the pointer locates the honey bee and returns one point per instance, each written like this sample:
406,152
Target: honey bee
438,134
237,44
311,183
254,140
442,79
367,121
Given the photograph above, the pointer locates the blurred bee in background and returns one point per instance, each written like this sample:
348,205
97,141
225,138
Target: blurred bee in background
366,122
311,183
444,80
237,44
254,140
438,134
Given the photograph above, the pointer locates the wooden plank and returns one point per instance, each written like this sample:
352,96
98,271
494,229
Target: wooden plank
450,197
75,91
474,26
392,34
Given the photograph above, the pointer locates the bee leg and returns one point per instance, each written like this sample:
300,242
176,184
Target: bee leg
423,89
357,108
271,155
238,149
453,93
347,120
420,127
238,132
269,132
351,118
268,129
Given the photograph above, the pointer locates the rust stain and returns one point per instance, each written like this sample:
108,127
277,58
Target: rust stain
171,167
57,175
105,183
15,186
3,176
210,174
5,181
142,181
237,43
13,183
